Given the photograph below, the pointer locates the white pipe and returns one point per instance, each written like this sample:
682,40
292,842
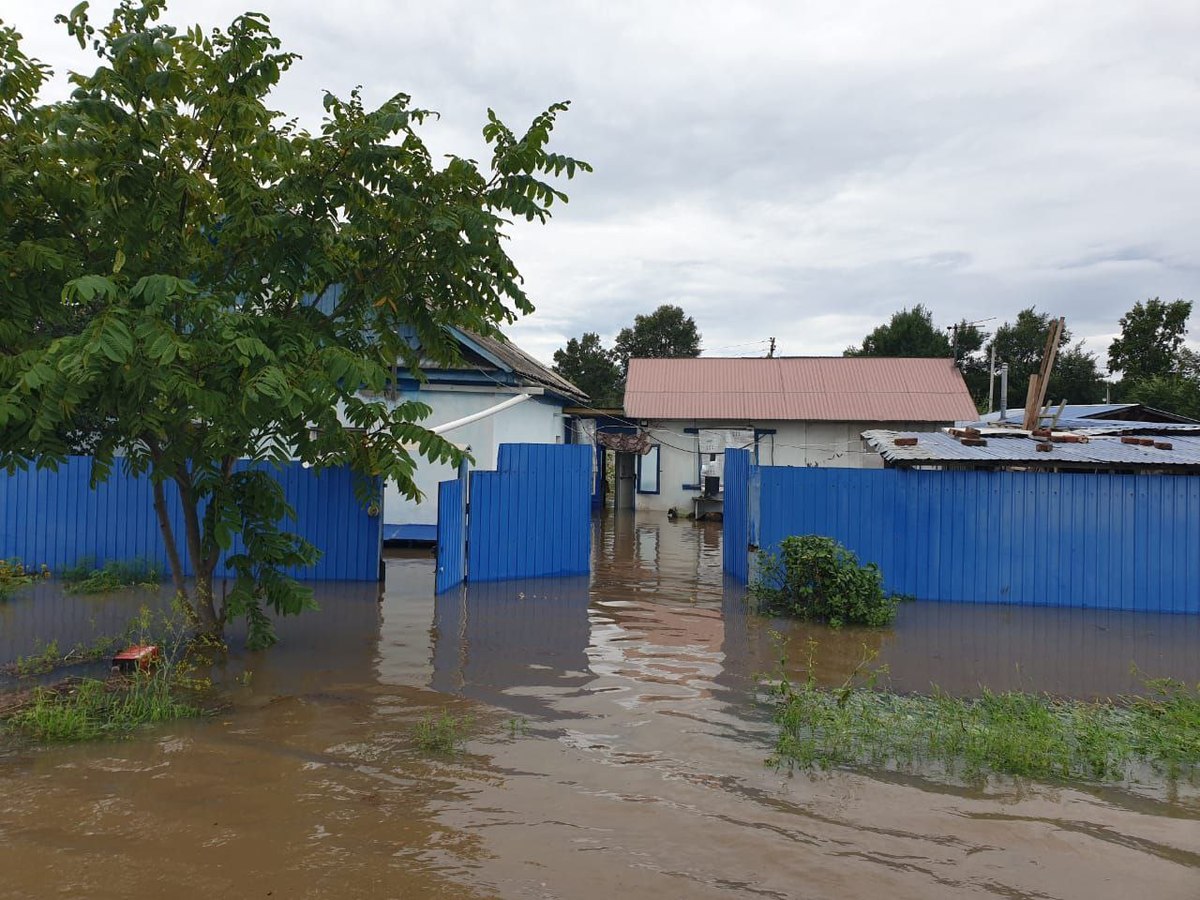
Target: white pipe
482,414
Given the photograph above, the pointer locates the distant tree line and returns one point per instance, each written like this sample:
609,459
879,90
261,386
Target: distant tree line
1148,358
1148,362
599,371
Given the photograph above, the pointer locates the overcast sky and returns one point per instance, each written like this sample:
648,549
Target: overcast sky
796,170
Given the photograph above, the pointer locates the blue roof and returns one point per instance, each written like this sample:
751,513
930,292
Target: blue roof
1070,411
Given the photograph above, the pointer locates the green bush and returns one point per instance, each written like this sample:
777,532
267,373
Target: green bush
814,577
442,734
87,577
15,574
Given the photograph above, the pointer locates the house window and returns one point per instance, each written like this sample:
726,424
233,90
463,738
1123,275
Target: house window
647,471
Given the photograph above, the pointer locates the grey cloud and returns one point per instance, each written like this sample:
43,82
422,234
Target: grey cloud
802,170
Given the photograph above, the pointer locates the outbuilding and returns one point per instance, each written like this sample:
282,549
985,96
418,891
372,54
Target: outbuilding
791,411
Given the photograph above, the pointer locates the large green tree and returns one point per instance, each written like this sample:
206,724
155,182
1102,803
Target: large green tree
667,332
1156,368
911,332
586,363
1178,391
1150,341
200,280
1021,343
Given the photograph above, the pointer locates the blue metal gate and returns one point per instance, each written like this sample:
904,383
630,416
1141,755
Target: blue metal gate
736,523
451,534
530,518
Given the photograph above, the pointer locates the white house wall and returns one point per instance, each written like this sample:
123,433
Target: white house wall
538,420
836,444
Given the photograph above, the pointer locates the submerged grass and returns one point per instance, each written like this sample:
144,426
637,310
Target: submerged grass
48,657
1010,733
86,577
15,574
445,733
91,709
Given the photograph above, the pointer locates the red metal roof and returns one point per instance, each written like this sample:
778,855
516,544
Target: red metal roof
813,388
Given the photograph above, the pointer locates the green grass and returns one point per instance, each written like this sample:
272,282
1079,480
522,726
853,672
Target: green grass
14,574
86,577
91,709
445,733
48,657
517,727
1010,733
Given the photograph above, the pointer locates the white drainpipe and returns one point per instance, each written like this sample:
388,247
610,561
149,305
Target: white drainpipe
482,414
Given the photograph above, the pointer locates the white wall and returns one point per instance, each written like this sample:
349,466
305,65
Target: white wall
538,420
793,444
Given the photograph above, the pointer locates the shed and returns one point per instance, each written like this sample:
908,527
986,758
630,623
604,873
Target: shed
796,411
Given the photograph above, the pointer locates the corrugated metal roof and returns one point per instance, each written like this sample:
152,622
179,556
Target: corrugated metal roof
812,388
1107,426
933,448
1071,411
1108,412
525,365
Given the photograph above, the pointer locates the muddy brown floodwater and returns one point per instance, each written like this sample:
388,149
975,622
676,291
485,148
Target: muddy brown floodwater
617,751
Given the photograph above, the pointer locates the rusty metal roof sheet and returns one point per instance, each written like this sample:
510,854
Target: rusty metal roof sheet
525,365
1102,426
812,388
1017,448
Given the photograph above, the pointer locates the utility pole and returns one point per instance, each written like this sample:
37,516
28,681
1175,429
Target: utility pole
771,350
992,377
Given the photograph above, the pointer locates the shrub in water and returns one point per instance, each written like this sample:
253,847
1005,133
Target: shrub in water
15,574
442,734
86,577
814,577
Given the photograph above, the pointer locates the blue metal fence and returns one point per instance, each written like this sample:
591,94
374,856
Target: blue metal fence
56,518
451,534
1056,539
531,517
736,522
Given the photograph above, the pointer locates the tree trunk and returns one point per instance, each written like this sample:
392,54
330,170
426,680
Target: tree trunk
203,602
168,533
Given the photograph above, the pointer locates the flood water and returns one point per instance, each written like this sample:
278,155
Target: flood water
616,749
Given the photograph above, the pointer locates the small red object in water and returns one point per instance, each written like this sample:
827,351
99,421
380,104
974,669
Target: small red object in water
139,657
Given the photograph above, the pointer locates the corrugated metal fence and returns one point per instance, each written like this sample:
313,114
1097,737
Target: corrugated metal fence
736,513
530,518
56,518
1056,539
451,535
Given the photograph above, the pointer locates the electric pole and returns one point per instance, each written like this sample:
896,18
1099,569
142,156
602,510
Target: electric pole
771,350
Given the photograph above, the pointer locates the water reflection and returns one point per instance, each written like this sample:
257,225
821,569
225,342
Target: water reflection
641,772
658,610
492,642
